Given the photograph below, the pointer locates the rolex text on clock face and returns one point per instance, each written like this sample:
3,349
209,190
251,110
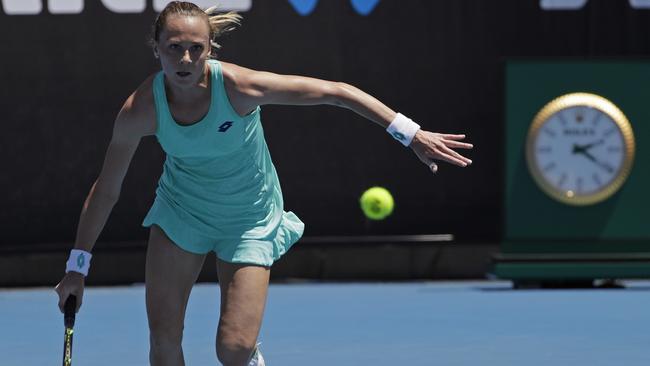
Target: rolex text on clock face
579,151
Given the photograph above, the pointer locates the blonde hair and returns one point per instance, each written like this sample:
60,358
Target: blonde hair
219,23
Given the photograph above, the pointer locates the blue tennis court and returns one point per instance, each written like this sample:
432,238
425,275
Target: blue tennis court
414,323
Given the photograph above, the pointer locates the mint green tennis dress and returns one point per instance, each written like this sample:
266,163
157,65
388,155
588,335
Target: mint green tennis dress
219,190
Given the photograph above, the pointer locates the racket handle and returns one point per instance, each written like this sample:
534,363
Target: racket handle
69,308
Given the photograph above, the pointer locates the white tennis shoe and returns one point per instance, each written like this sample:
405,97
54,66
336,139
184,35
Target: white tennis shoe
257,359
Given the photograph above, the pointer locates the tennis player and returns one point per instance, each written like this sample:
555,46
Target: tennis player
219,190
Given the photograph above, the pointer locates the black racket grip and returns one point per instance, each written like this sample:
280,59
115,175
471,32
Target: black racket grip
69,309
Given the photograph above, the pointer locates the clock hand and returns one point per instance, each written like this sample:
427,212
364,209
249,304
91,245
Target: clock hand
577,149
583,148
589,156
580,150
589,146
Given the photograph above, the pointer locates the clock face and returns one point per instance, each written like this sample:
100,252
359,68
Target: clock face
580,149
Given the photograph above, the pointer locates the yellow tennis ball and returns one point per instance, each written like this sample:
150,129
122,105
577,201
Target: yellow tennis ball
377,203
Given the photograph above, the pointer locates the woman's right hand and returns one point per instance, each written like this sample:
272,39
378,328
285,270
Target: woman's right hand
71,284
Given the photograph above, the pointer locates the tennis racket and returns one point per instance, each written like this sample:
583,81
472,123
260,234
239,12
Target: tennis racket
68,319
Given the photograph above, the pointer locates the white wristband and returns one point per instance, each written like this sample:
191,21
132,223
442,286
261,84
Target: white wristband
403,129
79,261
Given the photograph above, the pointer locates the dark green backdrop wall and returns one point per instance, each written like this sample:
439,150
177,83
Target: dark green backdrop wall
64,77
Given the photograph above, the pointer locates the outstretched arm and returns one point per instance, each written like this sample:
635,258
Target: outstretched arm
105,192
131,124
249,89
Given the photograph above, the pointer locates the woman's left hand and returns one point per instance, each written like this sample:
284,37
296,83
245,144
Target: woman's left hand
430,146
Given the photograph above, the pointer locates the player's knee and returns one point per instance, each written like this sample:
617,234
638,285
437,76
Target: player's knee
165,335
234,351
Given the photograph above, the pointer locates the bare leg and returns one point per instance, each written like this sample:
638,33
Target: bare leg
170,274
243,297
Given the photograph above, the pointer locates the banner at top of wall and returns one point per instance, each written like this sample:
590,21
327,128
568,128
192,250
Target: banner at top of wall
35,7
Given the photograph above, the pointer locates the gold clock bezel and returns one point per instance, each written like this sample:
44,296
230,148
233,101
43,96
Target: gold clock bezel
586,100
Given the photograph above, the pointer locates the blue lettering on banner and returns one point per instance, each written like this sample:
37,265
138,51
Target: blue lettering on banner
303,7
364,7
33,7
225,126
306,7
580,4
